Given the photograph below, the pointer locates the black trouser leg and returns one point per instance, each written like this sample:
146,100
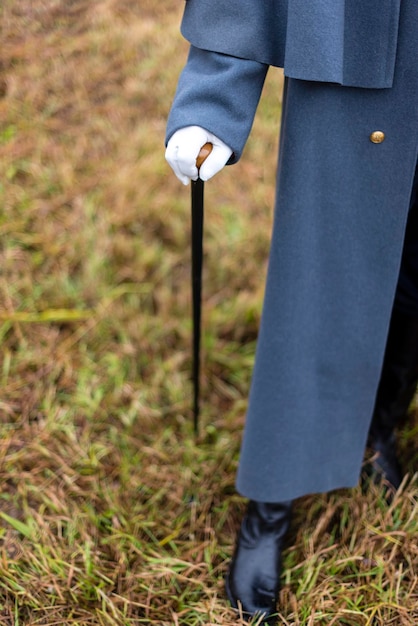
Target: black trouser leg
399,376
406,297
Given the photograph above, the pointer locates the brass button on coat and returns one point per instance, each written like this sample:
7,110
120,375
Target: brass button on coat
377,136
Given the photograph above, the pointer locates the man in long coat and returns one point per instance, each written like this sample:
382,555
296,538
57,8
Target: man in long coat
342,284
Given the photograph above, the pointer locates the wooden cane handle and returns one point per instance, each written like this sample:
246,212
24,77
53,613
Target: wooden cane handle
203,154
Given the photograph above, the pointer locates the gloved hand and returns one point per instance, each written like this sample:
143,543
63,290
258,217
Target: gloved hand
184,147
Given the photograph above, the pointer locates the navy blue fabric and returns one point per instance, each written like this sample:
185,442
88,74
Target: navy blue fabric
348,42
249,29
213,91
343,41
406,298
341,211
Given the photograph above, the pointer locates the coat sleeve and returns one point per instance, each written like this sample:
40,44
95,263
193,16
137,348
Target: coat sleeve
219,93
249,29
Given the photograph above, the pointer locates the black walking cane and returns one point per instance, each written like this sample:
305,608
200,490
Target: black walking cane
197,262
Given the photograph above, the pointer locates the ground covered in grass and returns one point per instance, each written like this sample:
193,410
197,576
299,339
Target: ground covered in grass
110,512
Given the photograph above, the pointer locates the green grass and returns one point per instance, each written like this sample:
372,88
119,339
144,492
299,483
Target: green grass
110,512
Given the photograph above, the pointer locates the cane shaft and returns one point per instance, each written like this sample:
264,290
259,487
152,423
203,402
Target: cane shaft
197,264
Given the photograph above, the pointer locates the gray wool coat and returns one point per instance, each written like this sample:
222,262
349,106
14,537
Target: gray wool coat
340,215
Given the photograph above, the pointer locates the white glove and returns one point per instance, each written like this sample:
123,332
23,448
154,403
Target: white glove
184,147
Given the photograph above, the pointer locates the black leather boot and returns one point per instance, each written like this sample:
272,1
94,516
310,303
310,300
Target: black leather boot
253,580
397,387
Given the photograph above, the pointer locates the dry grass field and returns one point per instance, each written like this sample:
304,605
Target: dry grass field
110,512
